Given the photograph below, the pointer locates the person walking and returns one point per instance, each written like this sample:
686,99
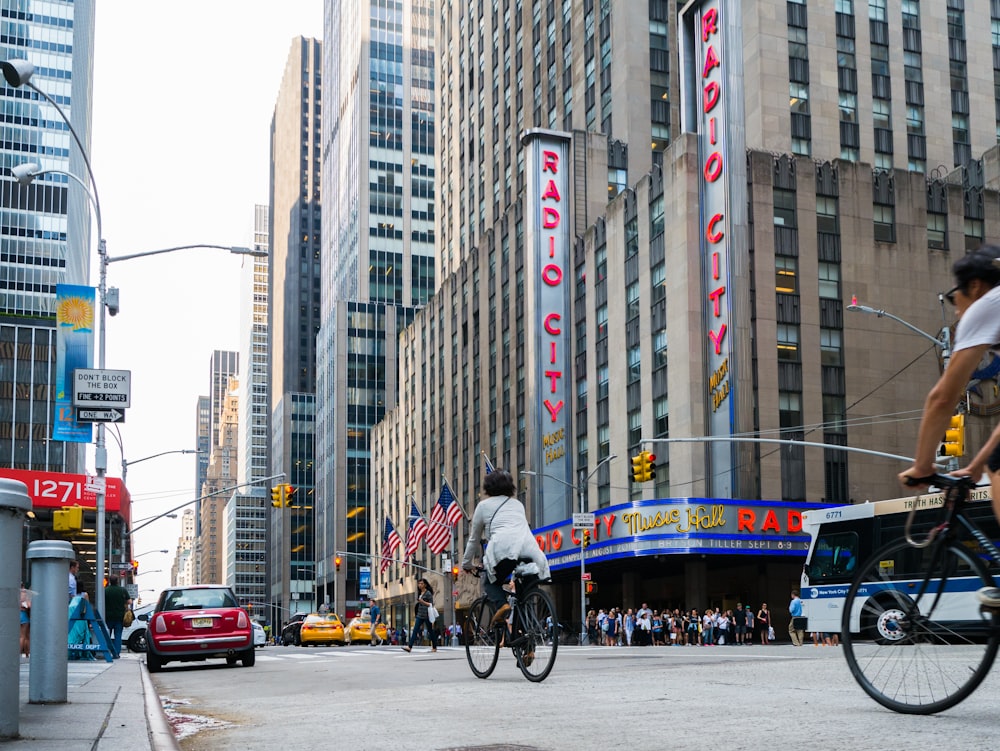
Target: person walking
763,623
795,611
421,620
74,569
25,638
116,602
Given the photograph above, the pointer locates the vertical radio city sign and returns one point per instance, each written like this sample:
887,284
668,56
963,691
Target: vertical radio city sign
548,254
707,33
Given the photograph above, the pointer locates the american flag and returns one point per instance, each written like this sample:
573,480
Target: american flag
444,516
415,530
390,542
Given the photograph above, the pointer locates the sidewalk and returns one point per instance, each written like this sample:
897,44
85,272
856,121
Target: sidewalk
110,706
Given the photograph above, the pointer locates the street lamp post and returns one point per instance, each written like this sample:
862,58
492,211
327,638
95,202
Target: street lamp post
126,463
584,481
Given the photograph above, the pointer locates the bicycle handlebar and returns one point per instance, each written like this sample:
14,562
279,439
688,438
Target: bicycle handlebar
942,481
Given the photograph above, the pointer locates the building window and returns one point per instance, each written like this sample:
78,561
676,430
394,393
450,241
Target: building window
632,301
829,280
634,364
826,215
660,349
937,230
885,223
790,410
831,350
784,207
973,233
786,271
661,417
788,342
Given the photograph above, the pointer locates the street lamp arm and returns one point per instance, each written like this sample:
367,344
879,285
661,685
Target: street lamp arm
152,519
76,138
883,314
234,249
162,453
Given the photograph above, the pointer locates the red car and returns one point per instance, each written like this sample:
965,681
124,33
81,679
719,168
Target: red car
196,623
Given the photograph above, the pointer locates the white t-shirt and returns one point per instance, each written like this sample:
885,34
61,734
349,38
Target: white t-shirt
980,324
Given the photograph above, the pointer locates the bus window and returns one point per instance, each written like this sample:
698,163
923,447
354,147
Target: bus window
834,556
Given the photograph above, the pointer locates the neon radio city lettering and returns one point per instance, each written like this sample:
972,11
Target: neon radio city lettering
713,169
553,276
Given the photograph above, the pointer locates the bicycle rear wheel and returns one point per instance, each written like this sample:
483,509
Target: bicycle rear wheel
913,653
482,643
535,640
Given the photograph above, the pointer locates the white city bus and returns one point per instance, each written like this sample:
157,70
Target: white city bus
844,537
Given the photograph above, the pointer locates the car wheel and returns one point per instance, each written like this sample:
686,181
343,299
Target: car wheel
249,658
137,641
231,660
153,662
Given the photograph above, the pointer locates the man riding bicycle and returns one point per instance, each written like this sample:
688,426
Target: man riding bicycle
501,521
976,297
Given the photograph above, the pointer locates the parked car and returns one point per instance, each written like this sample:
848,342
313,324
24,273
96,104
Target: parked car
359,629
290,631
259,634
321,628
196,623
134,637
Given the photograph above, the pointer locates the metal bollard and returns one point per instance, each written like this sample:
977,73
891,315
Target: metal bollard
48,667
14,506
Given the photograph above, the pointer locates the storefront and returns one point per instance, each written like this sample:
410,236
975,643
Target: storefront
52,492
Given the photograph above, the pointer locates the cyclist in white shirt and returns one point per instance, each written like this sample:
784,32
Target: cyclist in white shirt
976,297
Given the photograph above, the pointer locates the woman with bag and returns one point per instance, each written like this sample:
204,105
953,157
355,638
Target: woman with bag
422,619
764,623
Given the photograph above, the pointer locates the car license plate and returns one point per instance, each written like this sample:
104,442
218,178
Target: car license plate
201,623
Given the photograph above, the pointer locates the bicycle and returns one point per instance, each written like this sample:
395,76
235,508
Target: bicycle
906,638
529,631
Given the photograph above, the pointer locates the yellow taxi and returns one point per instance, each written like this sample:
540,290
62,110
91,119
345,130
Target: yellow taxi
359,629
321,628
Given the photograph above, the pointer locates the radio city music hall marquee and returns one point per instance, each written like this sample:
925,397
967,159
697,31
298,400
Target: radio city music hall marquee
682,525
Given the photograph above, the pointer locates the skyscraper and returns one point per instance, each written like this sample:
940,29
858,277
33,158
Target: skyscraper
254,351
379,198
45,227
294,317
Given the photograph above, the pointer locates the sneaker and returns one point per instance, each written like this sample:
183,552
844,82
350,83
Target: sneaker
528,659
405,649
989,596
500,615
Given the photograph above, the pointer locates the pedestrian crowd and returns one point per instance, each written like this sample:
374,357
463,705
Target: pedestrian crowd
644,627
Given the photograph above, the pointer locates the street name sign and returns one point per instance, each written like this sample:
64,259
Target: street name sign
583,521
112,414
102,388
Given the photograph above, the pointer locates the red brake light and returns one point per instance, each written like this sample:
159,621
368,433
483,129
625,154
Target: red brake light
242,621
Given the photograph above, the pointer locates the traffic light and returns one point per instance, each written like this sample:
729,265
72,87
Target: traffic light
954,437
585,542
135,568
289,492
336,562
454,573
643,466
278,496
591,587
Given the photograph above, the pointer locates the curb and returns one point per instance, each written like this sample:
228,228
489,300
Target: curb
161,735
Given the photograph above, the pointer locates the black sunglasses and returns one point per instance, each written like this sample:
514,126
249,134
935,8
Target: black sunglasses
950,294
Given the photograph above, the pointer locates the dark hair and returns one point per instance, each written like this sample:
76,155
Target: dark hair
113,580
979,264
498,482
427,584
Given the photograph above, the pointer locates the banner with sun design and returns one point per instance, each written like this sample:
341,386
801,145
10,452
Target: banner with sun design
75,311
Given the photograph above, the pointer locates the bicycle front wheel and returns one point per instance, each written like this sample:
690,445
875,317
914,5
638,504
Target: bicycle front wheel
482,642
916,645
535,638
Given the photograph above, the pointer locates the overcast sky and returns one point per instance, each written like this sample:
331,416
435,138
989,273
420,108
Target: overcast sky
183,97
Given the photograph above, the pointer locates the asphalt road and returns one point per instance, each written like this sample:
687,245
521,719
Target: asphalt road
728,698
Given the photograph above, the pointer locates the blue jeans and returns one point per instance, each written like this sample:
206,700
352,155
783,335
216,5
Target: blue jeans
419,624
115,628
